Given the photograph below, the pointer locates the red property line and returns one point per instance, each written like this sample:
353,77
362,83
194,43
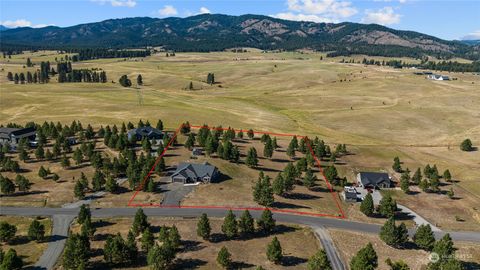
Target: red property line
333,193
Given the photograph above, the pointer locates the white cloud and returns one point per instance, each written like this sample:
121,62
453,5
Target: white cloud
472,36
383,16
167,10
317,10
22,23
118,3
204,10
302,17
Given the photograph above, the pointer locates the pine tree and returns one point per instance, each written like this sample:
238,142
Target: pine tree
65,162
229,226
39,152
139,79
252,159
224,258
424,237
319,261
250,134
278,185
466,145
98,180
447,176
274,251
36,231
309,179
160,257
203,227
417,177
7,231
11,260
6,186
444,247
78,156
268,149
367,206
23,183
190,143
397,165
246,224
266,222
404,183
79,190
399,265
140,222
55,177
88,228
147,240
75,254
111,185
387,206
388,232
365,259
291,149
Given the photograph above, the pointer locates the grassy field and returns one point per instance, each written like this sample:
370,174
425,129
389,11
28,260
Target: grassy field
30,251
379,112
298,244
415,258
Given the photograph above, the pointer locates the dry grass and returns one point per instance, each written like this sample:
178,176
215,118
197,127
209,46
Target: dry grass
30,251
298,243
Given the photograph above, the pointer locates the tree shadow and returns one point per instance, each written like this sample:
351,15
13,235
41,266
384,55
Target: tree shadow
218,237
265,169
190,245
403,216
281,229
19,194
222,177
281,205
101,236
102,223
188,263
19,240
280,160
240,265
292,260
471,265
300,196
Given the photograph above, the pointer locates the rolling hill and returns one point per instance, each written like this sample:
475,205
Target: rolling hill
213,32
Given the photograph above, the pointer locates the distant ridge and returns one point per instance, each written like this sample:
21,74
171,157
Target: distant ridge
214,32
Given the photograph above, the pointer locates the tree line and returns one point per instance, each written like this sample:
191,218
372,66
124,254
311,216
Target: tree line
98,53
450,66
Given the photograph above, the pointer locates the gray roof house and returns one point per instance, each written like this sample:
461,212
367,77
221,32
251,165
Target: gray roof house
373,180
192,173
145,132
14,135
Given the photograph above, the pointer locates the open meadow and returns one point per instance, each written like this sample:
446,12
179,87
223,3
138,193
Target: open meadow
378,112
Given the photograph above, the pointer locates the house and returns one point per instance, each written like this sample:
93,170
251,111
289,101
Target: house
144,132
13,136
350,194
437,77
373,180
196,152
192,173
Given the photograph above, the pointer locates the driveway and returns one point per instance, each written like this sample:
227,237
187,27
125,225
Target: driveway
327,243
173,193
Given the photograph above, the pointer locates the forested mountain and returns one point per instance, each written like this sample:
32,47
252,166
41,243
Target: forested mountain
213,32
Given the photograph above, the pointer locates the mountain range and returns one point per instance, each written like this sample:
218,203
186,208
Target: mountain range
214,32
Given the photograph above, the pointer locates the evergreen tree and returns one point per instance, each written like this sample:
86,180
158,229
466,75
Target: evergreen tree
55,177
111,185
291,149
65,162
79,191
75,254
98,181
309,179
268,149
6,186
447,176
246,224
367,206
23,183
84,213
404,183
400,265
11,261
450,193
139,79
42,172
160,257
466,145
397,165
224,258
319,261
266,223
250,134
140,222
251,159
444,247
78,156
7,231
229,226
365,259
278,185
387,206
125,81
88,228
274,251
424,237
147,240
116,251
417,177
203,227
39,152
190,143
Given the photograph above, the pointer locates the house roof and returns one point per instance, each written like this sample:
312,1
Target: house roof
146,131
16,132
194,170
374,178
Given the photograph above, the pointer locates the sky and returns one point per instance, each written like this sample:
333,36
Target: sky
446,19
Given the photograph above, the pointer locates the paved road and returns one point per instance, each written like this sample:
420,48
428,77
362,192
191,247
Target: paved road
61,225
196,212
329,247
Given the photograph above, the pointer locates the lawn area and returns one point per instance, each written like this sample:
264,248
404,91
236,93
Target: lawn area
30,251
348,243
298,244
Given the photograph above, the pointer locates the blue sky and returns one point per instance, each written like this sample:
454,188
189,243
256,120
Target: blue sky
444,19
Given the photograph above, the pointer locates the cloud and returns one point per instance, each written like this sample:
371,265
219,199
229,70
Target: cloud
117,3
22,23
302,17
317,10
204,10
475,35
383,16
167,10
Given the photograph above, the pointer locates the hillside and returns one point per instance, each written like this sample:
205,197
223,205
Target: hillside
214,32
